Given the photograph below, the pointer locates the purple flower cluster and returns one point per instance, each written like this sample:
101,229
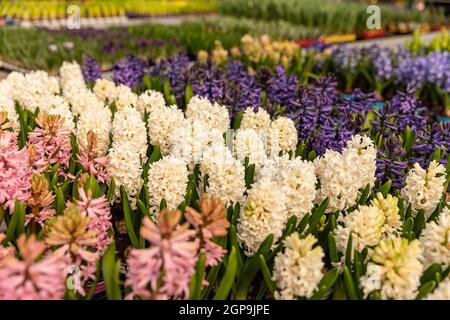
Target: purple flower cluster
91,69
382,62
347,59
129,71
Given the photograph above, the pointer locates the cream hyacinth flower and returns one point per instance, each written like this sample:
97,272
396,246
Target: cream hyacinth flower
263,213
258,121
282,136
435,241
167,179
299,268
149,101
97,120
343,175
125,167
213,116
57,105
364,224
394,269
129,129
392,223
226,175
7,105
298,181
424,188
247,144
190,141
162,123
105,90
124,97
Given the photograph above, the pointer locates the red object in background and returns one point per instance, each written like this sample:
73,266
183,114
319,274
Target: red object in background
373,34
308,42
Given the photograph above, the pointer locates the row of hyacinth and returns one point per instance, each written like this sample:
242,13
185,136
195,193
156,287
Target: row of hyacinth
302,193
222,75
324,118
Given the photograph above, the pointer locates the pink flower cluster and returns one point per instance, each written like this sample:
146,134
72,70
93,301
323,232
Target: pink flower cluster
33,277
90,160
164,270
210,222
99,212
15,172
49,143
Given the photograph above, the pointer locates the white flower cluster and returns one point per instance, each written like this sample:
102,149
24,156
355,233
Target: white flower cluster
97,120
296,179
225,175
282,136
149,101
368,225
128,150
247,144
213,116
162,122
124,97
424,188
129,130
105,90
258,121
75,90
7,104
28,89
435,241
298,270
167,179
394,269
343,175
57,105
263,213
190,141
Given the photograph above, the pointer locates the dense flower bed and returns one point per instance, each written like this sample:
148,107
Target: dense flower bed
183,181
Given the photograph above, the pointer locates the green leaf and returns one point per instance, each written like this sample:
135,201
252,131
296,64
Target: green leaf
430,273
419,222
249,174
425,289
409,139
376,295
93,185
16,220
156,154
325,284
303,223
237,120
349,284
111,189
197,279
348,251
332,247
228,278
110,269
317,216
162,204
436,155
266,274
127,212
312,155
364,195
407,228
188,93
384,189
251,268
60,203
